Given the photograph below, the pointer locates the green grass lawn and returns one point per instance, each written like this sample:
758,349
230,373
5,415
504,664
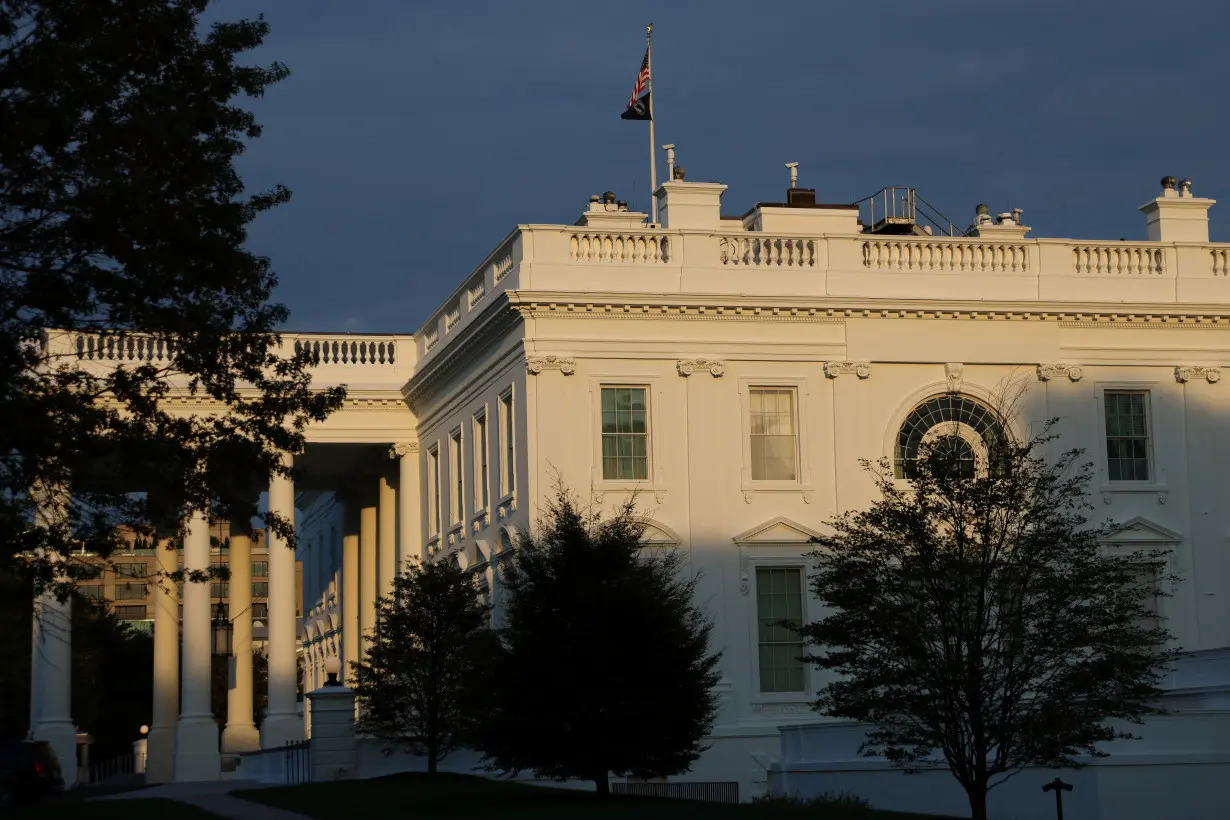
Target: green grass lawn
463,797
71,808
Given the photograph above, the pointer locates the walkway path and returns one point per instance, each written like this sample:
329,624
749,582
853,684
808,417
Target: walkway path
213,797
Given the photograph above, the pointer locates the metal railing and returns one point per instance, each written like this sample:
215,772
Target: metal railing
298,759
705,791
898,205
115,767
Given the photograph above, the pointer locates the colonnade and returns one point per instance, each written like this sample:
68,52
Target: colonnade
183,742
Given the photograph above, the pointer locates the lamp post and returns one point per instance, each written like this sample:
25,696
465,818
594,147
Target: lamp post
223,631
333,668
1058,787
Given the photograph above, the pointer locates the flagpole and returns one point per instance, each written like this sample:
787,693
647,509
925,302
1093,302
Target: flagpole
653,169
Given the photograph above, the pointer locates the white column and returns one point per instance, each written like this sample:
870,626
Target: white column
160,765
196,735
409,505
386,502
240,734
350,593
51,659
282,723
367,576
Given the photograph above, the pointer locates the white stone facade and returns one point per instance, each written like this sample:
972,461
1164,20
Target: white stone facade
771,353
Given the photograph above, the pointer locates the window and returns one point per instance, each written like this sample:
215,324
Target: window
1149,577
260,612
773,434
433,491
130,613
130,570
219,589
93,592
779,597
508,471
129,592
459,502
951,423
625,434
1127,436
260,589
481,477
260,569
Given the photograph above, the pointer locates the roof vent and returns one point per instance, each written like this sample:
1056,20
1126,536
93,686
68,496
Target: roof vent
800,197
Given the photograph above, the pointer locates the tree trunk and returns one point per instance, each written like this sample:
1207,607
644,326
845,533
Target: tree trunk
603,787
433,759
977,801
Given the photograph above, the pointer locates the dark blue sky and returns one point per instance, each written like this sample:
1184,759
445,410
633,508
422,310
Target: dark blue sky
414,134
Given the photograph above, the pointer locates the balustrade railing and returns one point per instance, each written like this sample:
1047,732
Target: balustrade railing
123,347
1113,260
945,255
604,246
348,351
753,251
1221,261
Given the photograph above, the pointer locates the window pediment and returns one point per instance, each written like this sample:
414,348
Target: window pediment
777,531
1141,532
659,535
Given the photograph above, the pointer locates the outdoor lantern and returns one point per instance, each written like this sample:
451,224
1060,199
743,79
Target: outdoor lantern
333,668
222,631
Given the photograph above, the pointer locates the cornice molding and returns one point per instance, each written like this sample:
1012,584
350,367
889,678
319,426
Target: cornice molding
838,309
686,367
1047,372
1187,373
536,364
835,369
495,319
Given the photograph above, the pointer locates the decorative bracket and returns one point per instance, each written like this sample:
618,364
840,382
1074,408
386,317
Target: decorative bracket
835,369
536,364
1186,374
952,373
1046,372
687,367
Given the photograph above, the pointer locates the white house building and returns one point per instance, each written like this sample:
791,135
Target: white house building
733,370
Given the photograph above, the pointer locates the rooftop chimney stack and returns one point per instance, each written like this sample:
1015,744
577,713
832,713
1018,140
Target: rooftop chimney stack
607,211
1176,215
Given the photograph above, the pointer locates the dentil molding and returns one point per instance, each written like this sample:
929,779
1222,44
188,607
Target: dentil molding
835,369
536,364
1186,374
1046,372
687,367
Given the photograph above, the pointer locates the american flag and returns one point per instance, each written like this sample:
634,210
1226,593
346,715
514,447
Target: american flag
642,80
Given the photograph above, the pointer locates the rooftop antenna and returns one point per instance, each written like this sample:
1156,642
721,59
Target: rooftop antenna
794,173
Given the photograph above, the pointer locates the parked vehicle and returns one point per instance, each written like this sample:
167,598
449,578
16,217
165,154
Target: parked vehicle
29,771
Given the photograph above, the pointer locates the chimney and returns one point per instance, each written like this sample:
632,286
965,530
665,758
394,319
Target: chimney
696,205
608,212
800,197
1176,215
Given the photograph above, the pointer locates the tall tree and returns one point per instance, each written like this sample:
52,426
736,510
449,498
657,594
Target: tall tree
607,668
977,619
423,681
124,279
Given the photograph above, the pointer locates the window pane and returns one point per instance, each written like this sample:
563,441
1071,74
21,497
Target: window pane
773,441
625,434
1127,436
779,598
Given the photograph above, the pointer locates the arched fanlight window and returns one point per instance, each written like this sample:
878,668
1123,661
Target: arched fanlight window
950,423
